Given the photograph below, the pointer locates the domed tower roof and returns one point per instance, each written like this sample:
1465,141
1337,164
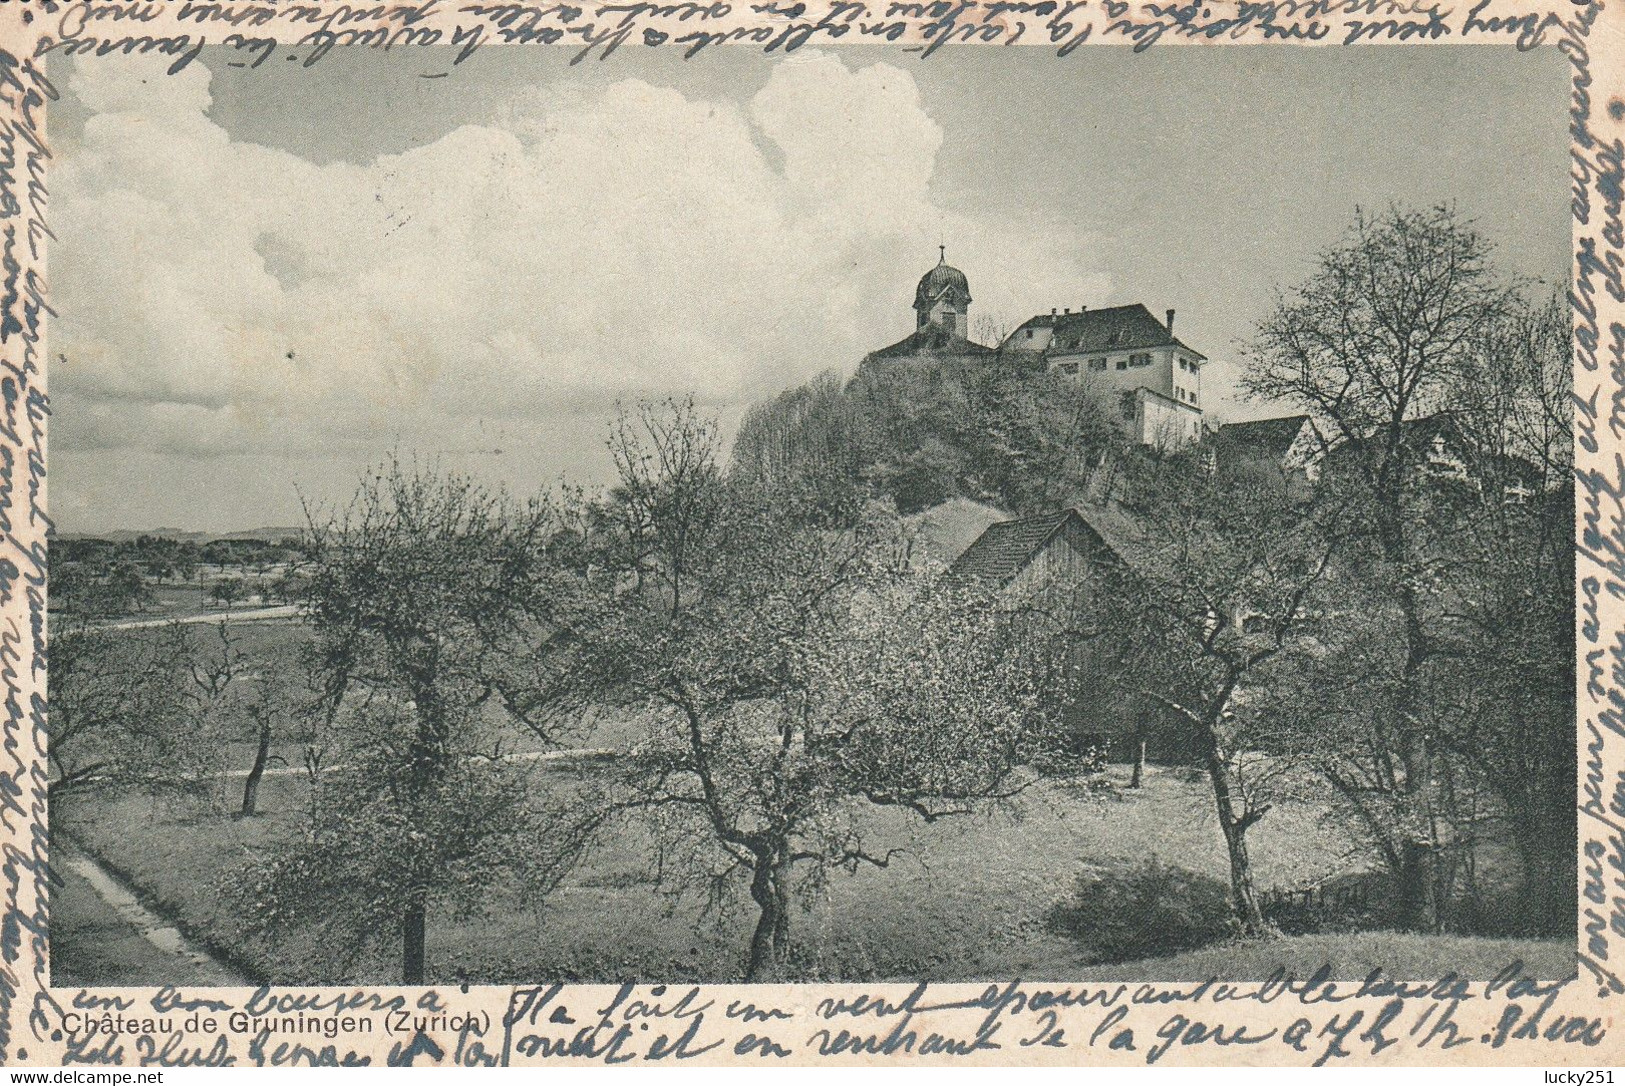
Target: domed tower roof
939,279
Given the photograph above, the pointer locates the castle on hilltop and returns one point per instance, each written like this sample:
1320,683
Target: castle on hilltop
1123,353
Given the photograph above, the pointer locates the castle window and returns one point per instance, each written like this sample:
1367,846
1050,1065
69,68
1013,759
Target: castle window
1122,363
1068,369
1097,364
1139,359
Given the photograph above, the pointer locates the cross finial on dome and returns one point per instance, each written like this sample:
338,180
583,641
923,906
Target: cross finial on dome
943,296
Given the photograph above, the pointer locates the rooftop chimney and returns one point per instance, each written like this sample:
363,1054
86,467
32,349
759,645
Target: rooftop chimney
1067,312
1052,311
1170,322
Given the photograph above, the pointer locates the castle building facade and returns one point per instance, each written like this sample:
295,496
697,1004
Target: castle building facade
1128,356
1123,353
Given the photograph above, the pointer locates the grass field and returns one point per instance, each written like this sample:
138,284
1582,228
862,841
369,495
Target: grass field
92,945
969,901
1353,955
190,599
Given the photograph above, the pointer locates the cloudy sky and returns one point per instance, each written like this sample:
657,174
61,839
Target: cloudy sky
270,279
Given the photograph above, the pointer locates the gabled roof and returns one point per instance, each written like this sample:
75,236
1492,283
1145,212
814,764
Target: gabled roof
1152,393
933,339
1417,431
1416,436
1004,549
1260,439
1419,435
1119,328
1119,532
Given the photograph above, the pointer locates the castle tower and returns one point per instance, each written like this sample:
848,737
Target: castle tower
943,299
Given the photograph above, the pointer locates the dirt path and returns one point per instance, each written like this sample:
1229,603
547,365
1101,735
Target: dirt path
102,934
531,757
257,614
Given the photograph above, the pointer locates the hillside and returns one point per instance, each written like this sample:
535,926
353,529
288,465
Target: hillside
944,532
921,432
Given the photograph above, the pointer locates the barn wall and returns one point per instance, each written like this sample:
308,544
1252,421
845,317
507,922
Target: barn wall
1092,708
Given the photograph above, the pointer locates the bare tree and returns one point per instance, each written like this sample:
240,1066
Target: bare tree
280,707
415,593
794,680
668,497
992,329
123,712
1501,685
1216,595
1374,339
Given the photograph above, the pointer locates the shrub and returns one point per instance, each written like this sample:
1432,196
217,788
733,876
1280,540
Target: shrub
1141,911
1358,901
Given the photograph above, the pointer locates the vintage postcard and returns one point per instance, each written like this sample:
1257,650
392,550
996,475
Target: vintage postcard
833,532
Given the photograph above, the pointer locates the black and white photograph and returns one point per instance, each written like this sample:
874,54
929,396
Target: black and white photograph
831,516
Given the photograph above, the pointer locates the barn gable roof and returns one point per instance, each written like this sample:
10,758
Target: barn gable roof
1006,548
1266,439
946,530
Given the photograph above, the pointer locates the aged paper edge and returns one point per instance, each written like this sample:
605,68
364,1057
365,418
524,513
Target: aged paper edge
1517,1022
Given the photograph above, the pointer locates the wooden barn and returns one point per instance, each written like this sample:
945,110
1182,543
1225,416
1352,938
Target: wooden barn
1056,557
1039,554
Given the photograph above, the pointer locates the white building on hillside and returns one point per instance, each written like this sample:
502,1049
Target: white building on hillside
1128,355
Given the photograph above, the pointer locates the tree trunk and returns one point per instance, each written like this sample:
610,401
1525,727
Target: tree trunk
428,758
414,923
1418,889
769,942
1420,904
1243,892
781,922
251,786
1548,895
1139,762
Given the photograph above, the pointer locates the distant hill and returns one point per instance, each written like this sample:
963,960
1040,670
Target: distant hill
125,535
268,534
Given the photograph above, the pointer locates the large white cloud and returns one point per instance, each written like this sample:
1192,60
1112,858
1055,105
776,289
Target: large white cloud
216,294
